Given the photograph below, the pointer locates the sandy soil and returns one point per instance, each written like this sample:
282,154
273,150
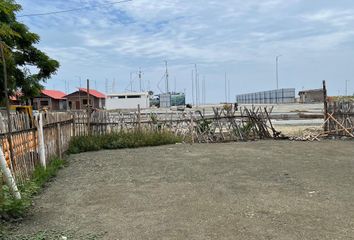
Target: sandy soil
258,190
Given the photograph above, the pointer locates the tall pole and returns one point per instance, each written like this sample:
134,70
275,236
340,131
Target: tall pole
228,90
80,107
9,125
325,110
277,74
167,87
140,89
131,81
196,86
88,108
106,85
346,87
114,85
193,87
204,91
277,69
175,85
225,88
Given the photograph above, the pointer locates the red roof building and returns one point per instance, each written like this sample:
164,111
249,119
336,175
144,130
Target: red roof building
93,92
54,94
51,100
78,100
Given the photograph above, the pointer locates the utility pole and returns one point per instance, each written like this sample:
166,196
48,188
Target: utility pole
167,87
204,91
106,85
9,125
193,87
80,93
114,85
277,74
346,87
131,82
140,89
225,88
228,90
196,85
277,69
88,108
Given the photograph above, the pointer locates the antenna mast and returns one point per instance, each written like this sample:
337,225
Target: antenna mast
131,81
167,88
140,80
193,87
225,88
204,91
229,95
196,85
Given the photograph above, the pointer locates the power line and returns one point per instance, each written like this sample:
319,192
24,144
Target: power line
73,9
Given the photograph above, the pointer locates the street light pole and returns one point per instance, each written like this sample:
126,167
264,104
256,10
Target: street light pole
277,74
277,69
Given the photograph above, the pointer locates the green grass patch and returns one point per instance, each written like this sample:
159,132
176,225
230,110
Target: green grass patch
122,140
11,208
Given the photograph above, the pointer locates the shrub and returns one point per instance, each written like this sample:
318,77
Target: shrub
11,208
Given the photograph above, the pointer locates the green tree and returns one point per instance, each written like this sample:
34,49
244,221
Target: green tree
21,54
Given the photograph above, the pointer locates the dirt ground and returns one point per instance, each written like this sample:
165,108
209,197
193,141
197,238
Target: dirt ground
257,190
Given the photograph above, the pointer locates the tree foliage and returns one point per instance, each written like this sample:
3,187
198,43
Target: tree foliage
21,54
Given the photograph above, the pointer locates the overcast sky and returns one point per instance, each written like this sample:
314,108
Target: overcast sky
242,38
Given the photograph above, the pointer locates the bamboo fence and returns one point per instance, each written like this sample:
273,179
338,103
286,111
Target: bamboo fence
57,132
37,140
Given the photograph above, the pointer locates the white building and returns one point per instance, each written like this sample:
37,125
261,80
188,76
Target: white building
129,100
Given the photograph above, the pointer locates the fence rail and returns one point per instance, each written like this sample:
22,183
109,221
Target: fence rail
340,119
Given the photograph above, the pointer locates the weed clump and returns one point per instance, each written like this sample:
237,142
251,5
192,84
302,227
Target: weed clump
11,208
121,140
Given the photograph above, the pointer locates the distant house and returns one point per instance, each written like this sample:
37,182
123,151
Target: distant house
311,96
50,99
78,100
16,99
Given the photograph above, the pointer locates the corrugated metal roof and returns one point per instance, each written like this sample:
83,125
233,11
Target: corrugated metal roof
93,92
54,94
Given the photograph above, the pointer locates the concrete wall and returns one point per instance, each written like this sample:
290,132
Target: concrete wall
127,102
311,96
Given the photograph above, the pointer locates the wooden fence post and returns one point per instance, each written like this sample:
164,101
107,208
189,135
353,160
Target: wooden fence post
74,126
139,118
325,105
192,128
41,147
10,181
59,141
88,109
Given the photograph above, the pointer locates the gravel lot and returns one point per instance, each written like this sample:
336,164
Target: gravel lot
257,190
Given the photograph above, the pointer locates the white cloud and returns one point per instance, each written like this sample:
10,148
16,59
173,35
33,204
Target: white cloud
214,32
331,16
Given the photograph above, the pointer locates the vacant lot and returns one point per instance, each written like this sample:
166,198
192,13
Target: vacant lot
259,190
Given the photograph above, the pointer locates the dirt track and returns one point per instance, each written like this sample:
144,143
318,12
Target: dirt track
259,190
